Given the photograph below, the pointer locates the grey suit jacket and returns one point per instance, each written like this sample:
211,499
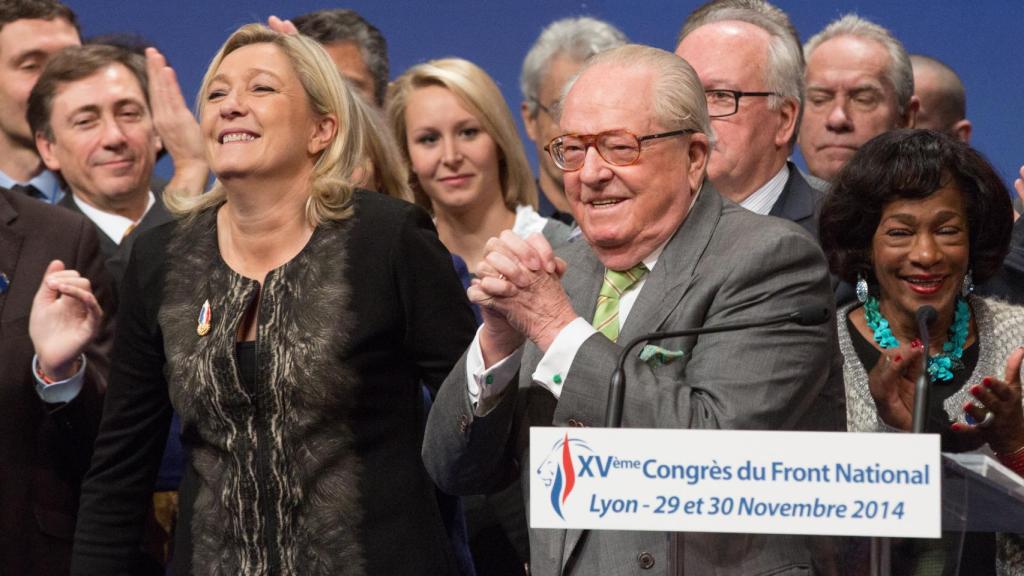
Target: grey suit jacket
724,264
799,201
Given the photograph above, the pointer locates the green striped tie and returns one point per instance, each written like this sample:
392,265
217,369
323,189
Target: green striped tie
606,317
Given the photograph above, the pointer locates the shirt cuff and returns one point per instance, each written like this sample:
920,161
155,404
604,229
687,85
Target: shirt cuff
554,365
62,391
486,384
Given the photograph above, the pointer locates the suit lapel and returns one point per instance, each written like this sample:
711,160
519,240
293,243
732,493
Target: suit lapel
10,244
674,272
583,278
108,245
582,282
795,203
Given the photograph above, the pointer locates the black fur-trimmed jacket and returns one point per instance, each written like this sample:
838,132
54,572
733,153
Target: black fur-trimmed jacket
316,471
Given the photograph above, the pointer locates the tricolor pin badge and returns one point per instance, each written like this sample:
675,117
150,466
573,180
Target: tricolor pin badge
203,327
4,283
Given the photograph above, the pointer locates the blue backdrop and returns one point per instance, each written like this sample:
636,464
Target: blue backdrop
982,40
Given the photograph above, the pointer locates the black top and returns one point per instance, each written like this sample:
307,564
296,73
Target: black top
938,419
318,471
245,358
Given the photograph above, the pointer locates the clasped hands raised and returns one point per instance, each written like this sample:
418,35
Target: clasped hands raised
518,288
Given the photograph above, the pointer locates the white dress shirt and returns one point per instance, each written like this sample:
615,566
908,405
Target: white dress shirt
113,225
764,198
486,384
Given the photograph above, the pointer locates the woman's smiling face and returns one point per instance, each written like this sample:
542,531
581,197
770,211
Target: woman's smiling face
256,117
920,253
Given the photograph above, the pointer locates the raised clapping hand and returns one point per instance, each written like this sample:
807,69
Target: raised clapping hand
1005,431
891,383
179,132
65,318
519,290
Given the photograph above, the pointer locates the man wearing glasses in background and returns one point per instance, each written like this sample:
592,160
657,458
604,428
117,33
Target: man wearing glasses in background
661,250
749,60
554,58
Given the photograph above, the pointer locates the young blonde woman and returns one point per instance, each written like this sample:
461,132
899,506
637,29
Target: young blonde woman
467,162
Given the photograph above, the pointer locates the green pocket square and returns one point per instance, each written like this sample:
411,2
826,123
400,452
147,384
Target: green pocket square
659,355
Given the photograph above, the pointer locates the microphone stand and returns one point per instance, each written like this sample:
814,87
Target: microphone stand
925,316
881,557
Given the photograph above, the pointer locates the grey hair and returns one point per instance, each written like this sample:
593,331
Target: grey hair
578,38
784,73
900,73
679,101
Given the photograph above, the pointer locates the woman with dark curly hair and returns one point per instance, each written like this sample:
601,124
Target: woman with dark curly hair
914,219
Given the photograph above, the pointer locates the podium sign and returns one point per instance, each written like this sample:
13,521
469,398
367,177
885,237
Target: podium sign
825,483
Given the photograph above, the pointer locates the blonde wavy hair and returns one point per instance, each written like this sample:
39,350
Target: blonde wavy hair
478,93
360,146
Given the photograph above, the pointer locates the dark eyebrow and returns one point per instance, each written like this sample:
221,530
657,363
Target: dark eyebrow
130,102
29,55
92,108
942,216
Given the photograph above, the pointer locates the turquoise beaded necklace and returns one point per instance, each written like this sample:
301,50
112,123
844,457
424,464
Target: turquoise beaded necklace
940,367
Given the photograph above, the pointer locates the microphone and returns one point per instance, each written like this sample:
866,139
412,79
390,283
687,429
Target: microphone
805,316
925,315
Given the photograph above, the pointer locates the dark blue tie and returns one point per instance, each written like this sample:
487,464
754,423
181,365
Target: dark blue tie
29,189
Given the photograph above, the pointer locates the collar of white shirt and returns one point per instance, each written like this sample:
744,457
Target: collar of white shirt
763,199
113,225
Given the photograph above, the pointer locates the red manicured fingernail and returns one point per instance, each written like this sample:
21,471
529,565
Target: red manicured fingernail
897,358
986,382
955,427
975,389
916,343
967,405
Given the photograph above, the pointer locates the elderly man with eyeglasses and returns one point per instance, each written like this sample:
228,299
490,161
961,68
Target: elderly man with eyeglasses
749,60
660,250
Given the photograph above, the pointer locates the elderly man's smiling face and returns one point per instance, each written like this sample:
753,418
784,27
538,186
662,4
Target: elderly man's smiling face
626,212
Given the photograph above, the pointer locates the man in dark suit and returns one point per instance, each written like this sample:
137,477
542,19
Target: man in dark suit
661,250
46,430
92,125
748,57
91,119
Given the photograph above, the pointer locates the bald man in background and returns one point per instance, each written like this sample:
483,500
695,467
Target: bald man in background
942,97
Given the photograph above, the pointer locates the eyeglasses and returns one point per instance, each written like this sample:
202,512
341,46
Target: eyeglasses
723,103
617,147
543,108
